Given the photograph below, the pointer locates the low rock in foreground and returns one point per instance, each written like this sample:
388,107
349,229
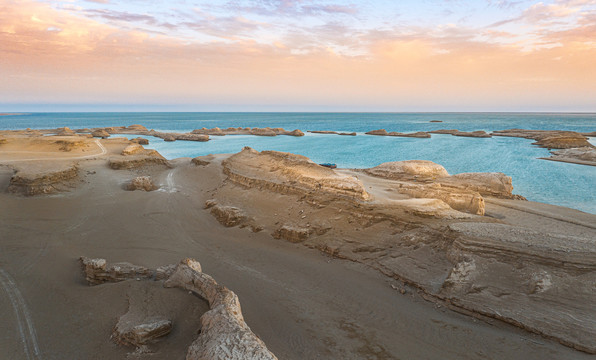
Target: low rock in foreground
142,183
30,180
224,333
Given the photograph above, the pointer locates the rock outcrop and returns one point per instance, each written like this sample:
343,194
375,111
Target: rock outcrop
383,132
137,330
100,133
292,233
200,161
327,132
536,280
98,271
408,170
583,156
487,184
228,216
69,144
65,132
141,183
445,131
134,162
35,181
135,156
427,172
563,141
455,132
136,127
552,139
133,149
248,131
419,134
289,173
180,136
462,200
380,132
224,333
477,134
140,141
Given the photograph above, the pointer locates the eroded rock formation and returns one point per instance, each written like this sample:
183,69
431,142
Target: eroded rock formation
289,173
383,132
407,228
140,141
228,216
138,157
409,169
141,183
539,281
179,136
583,156
31,180
200,161
101,133
136,329
133,149
98,271
248,131
552,139
224,333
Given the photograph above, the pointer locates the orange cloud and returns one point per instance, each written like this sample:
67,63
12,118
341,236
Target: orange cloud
48,55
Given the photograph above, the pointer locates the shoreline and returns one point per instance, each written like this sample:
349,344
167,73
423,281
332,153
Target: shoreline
578,148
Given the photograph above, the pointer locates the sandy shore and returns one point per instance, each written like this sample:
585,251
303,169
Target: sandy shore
303,303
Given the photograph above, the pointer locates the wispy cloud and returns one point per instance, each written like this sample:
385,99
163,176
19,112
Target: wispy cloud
327,54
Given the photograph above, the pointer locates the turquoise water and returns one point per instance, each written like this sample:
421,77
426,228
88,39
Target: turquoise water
539,180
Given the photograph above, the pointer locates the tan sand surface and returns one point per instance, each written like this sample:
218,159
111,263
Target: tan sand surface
301,302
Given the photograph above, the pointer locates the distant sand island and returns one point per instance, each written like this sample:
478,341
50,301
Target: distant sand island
327,263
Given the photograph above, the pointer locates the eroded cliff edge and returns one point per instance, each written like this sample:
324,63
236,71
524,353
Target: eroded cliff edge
414,222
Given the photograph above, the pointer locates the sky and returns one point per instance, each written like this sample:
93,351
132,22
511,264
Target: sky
298,55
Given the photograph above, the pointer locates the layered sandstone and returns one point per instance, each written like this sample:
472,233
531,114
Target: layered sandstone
552,139
179,136
248,131
289,173
135,156
408,229
408,169
536,280
583,156
98,271
36,179
383,132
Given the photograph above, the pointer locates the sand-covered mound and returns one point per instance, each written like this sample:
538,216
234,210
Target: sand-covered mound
289,173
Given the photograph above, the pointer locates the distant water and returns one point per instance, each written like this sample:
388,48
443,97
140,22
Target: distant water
539,180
